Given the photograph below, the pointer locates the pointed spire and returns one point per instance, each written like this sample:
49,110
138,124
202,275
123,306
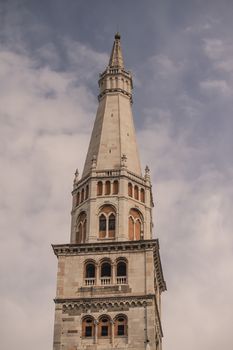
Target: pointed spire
116,58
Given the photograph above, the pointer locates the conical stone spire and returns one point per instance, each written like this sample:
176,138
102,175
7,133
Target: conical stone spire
113,135
116,58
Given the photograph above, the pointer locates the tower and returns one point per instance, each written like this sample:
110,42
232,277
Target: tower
110,278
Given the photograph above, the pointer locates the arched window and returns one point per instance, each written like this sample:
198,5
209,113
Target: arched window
104,328
121,272
99,188
131,228
135,225
90,272
107,222
142,195
111,225
77,199
138,226
106,269
88,327
121,326
121,269
130,190
82,195
87,192
105,273
115,187
81,228
111,84
136,192
107,187
102,226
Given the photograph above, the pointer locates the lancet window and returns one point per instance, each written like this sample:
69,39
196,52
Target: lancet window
77,199
107,222
130,190
82,195
81,228
135,225
136,192
115,187
99,188
87,192
142,195
107,187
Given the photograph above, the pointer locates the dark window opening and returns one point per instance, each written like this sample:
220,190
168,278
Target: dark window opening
102,223
121,329
90,271
121,269
105,271
104,331
112,222
88,331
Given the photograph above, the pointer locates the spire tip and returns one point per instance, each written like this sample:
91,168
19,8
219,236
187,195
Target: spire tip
117,36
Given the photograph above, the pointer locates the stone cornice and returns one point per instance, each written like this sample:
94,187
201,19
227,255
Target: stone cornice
114,246
112,174
75,249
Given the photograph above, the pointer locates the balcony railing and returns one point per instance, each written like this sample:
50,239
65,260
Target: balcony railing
89,281
122,280
105,280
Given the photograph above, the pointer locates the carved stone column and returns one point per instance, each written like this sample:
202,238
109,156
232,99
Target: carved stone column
112,332
96,331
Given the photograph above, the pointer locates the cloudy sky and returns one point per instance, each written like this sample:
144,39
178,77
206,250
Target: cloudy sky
181,56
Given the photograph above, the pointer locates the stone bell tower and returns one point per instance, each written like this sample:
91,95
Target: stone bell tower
110,278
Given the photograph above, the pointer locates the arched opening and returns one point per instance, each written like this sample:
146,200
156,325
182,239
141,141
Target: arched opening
115,187
111,225
107,222
87,192
105,273
81,228
136,192
135,225
131,228
107,187
142,195
106,269
121,326
121,269
88,327
102,226
121,272
90,272
79,233
130,190
99,188
104,327
138,230
77,199
82,195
